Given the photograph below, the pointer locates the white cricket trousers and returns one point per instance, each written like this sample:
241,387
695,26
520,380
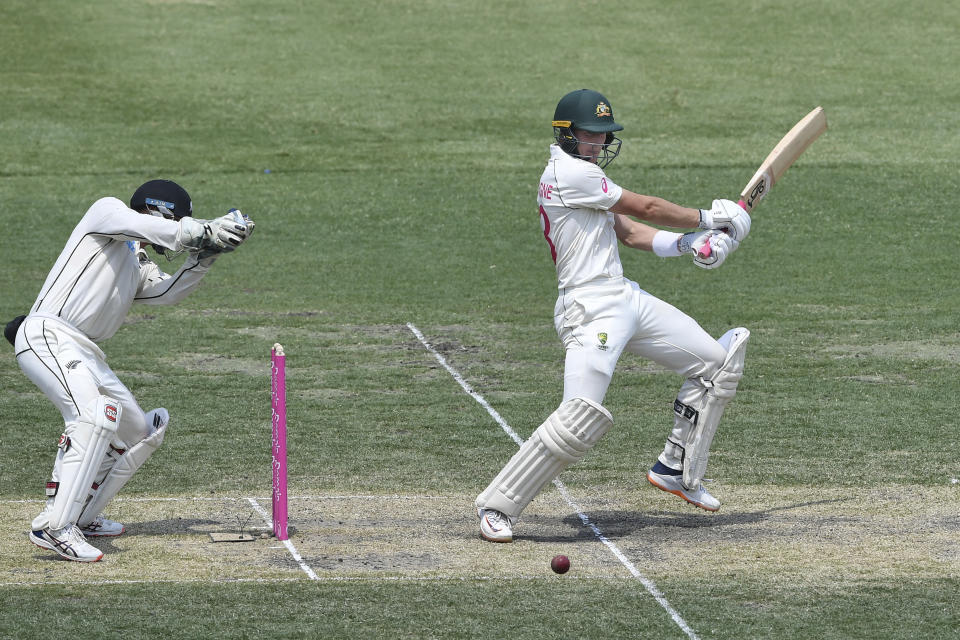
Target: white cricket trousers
600,320
71,371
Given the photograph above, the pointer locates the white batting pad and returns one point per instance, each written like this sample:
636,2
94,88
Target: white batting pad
563,439
125,466
84,445
700,405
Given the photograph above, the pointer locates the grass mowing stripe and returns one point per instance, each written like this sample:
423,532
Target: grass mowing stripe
648,584
289,545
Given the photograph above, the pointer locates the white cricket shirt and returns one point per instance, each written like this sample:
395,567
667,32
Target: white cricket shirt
98,275
574,199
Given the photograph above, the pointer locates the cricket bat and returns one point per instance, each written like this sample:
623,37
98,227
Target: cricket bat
778,161
783,155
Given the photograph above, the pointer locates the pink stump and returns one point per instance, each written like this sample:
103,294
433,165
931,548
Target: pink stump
278,379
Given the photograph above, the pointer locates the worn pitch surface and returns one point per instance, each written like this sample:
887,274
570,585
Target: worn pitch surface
801,536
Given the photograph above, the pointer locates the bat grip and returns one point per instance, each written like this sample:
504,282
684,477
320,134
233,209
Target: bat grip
705,250
742,204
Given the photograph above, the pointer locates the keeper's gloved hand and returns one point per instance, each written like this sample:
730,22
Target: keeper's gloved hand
219,235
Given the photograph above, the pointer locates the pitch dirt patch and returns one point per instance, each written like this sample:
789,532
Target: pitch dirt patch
799,535
908,350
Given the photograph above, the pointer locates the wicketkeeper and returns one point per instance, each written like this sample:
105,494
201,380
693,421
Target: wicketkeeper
600,314
100,273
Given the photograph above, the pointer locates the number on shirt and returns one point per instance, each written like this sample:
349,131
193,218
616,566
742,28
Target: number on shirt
545,223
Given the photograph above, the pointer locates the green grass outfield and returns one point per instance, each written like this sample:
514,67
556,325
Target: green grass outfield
389,153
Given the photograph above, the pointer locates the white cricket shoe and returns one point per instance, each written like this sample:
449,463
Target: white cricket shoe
495,526
671,481
101,526
68,542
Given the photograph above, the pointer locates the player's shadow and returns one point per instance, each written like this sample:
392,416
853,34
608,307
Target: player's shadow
168,526
618,524
227,516
196,526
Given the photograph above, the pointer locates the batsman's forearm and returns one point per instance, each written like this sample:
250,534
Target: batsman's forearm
657,210
673,215
634,234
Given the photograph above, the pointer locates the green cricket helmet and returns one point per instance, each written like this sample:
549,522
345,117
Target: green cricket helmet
588,111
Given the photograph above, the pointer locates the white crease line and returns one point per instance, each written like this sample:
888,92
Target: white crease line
268,518
466,386
247,498
498,579
94,583
648,584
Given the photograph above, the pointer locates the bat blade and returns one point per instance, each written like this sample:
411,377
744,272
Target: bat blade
782,156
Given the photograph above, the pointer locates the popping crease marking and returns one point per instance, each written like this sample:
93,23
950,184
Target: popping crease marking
394,496
520,578
648,584
267,517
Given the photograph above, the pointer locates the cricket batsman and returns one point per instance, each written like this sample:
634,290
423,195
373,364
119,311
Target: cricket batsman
101,272
599,314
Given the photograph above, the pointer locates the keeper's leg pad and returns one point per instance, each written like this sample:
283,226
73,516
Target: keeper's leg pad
84,444
114,451
563,439
125,466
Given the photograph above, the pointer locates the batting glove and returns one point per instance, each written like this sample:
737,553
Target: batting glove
709,248
727,216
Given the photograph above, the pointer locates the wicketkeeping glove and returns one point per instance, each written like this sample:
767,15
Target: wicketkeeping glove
222,234
229,231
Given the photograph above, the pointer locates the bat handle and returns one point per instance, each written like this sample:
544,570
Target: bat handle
742,204
705,250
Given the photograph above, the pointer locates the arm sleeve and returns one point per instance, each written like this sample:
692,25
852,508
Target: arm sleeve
588,187
110,217
157,287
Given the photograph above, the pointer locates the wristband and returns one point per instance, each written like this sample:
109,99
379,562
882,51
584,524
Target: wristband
703,224
665,244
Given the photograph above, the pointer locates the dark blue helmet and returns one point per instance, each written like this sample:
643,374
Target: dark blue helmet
164,198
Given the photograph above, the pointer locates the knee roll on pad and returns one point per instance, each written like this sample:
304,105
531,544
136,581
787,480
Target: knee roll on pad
727,378
563,439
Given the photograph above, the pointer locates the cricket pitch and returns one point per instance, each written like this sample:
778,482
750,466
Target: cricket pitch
803,535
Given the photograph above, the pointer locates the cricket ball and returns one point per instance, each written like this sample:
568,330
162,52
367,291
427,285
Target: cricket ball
560,564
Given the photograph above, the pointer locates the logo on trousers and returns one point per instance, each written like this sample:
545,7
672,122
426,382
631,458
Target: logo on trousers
602,337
